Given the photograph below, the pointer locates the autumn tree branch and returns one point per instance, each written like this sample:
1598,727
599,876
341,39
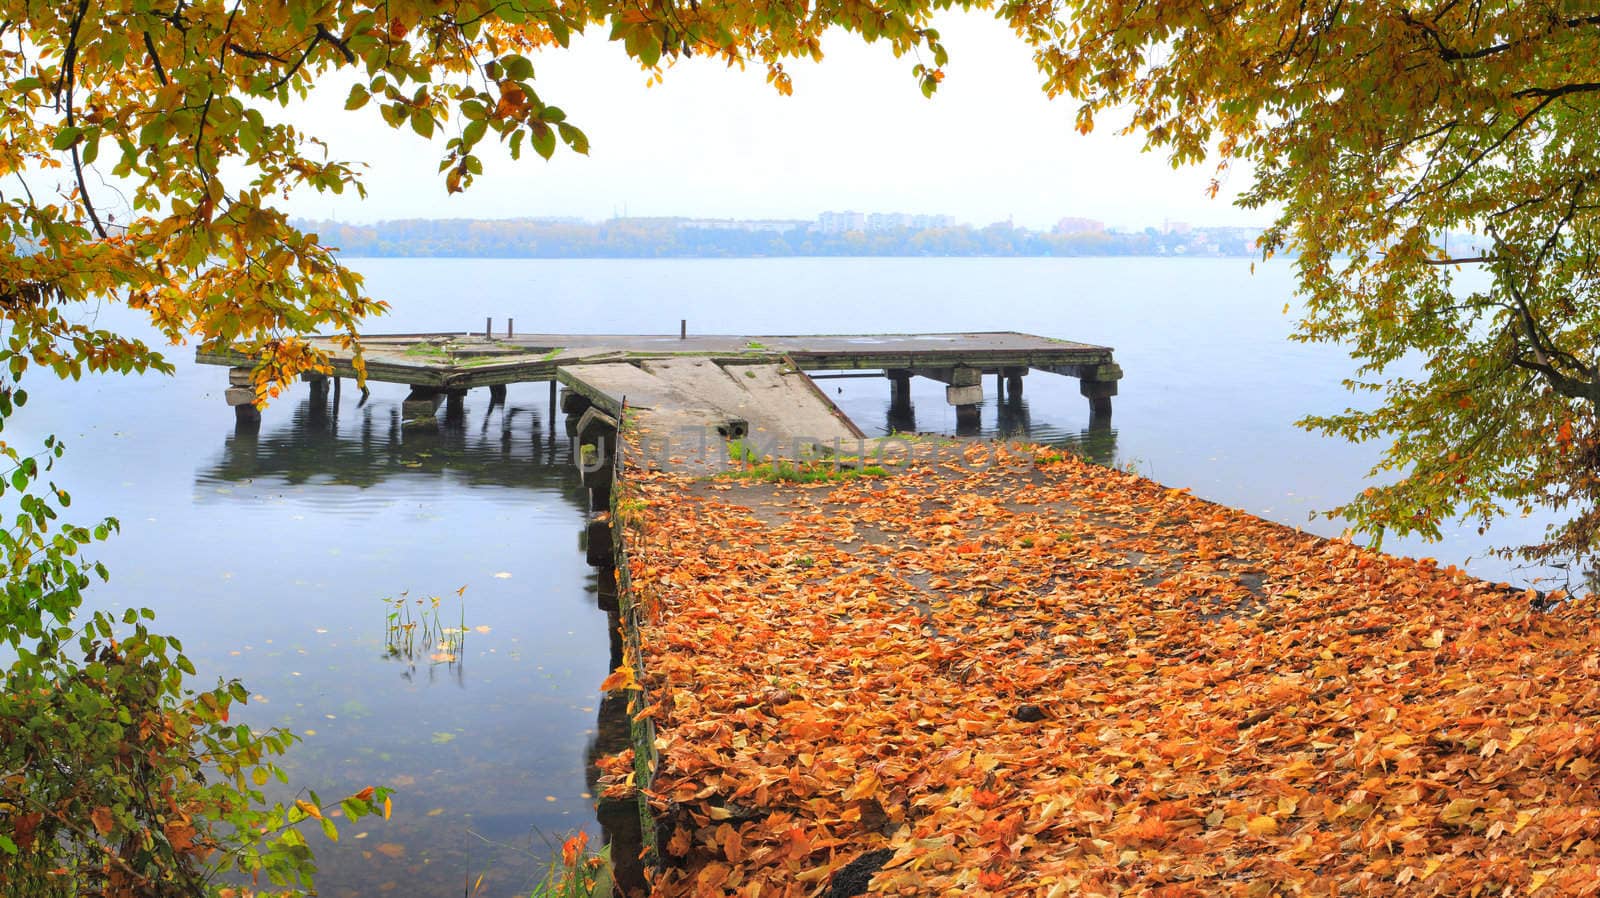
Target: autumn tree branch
1551,93
69,67
155,58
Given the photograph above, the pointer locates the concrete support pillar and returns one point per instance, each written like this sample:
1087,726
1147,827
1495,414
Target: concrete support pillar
902,416
1098,383
572,402
965,392
966,387
421,404
597,447
317,407
606,593
497,395
1014,382
1000,386
1099,393
246,413
899,386
597,542
241,397
455,407
968,420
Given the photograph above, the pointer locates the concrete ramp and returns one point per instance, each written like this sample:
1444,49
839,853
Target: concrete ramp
687,407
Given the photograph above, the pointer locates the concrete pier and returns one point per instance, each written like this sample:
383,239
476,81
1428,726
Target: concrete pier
735,384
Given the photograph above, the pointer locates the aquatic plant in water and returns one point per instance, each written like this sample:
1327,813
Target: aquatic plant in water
578,873
414,631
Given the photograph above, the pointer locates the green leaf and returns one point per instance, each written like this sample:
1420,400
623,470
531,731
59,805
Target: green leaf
646,44
66,137
544,139
517,68
577,140
358,97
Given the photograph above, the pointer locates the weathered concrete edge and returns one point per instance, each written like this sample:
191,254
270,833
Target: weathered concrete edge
630,619
385,368
827,401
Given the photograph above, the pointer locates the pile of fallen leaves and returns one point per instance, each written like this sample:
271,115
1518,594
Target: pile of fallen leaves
1060,679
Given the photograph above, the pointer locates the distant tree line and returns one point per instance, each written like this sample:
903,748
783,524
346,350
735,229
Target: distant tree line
673,237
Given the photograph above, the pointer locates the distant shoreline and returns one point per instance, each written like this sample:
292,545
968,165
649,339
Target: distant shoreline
346,256
667,238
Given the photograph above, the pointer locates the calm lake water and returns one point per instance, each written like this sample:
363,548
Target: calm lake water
271,555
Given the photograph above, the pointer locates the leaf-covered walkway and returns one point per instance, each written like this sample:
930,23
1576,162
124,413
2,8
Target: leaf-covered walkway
1036,676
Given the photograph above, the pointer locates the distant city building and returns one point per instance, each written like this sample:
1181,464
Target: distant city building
1080,226
896,221
1236,239
769,225
1175,227
842,222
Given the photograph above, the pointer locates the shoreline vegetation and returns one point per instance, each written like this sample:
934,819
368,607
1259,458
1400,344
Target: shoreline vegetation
648,238
1010,672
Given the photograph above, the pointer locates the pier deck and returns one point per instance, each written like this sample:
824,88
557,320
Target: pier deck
465,361
732,384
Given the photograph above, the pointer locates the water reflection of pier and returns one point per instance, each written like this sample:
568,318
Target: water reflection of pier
619,818
363,441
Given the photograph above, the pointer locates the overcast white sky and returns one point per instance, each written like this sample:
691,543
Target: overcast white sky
857,134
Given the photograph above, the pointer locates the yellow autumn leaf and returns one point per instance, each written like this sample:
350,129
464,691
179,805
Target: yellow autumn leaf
864,787
309,809
1262,825
1458,812
621,678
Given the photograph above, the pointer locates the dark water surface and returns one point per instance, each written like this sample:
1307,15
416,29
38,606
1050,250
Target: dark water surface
271,554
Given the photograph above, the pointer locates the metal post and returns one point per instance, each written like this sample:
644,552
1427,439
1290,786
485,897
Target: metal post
683,328
488,328
510,327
